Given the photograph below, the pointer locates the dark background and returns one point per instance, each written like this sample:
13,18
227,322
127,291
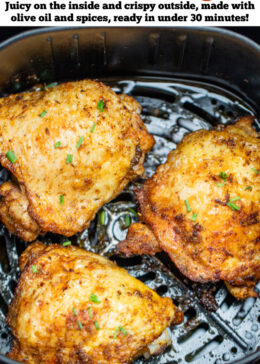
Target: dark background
251,32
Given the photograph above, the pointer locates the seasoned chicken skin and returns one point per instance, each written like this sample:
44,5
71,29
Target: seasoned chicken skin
73,148
203,208
72,306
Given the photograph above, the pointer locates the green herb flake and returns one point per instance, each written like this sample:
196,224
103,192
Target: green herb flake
34,269
221,184
80,325
115,333
223,176
61,199
124,332
43,113
96,325
94,298
100,105
90,313
102,218
187,205
67,243
81,139
57,145
133,212
74,311
194,217
11,156
69,158
237,198
233,206
53,84
93,127
248,188
127,220
255,170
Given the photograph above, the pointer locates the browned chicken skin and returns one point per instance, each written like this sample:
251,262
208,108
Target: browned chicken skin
203,208
77,145
72,306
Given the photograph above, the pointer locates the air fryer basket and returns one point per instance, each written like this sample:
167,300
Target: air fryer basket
185,79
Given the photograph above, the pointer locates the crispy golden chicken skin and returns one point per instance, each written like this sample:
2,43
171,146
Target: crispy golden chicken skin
203,208
76,147
72,306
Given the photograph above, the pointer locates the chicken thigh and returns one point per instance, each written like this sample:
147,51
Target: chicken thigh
71,148
202,207
72,306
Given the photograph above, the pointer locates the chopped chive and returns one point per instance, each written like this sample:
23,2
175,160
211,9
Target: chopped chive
74,311
187,205
248,188
255,170
133,212
124,332
11,156
34,269
66,243
69,158
93,127
115,333
51,85
43,113
100,105
102,218
57,145
233,206
94,298
127,220
80,325
221,184
61,199
90,312
80,142
223,176
96,325
235,199
194,217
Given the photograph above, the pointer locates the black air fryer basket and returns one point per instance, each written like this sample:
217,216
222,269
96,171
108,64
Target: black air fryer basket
185,79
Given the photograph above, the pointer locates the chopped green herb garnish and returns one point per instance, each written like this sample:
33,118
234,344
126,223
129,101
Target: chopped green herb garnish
93,127
57,145
115,334
94,298
80,325
34,269
124,332
43,113
223,176
51,85
11,156
74,311
80,142
221,184
96,325
69,158
90,312
233,206
248,188
100,105
66,243
102,218
255,170
235,199
133,212
127,220
61,199
194,217
187,205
